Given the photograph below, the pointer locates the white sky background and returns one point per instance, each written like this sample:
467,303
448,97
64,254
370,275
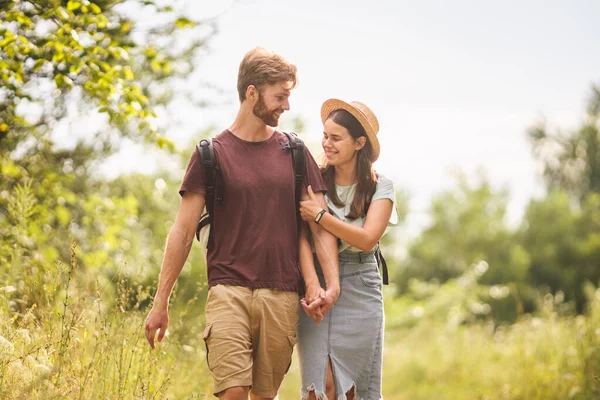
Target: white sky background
454,84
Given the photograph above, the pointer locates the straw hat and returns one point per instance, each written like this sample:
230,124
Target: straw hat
362,113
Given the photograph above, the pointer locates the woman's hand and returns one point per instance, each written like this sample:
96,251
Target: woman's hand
310,208
314,294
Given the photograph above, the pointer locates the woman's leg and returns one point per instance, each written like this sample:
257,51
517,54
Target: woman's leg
330,383
329,386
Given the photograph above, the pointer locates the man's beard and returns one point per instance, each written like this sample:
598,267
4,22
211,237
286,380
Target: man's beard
266,115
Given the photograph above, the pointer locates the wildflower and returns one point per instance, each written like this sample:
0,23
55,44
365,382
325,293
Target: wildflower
24,335
6,347
8,289
41,369
481,267
19,371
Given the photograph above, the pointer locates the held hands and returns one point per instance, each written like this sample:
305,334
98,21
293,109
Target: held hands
157,320
317,308
310,208
314,293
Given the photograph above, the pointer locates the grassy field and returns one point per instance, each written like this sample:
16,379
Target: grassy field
88,349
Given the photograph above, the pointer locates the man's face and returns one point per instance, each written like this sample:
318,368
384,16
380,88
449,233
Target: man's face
272,102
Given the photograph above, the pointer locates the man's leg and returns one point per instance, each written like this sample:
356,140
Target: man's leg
235,393
228,340
274,324
253,397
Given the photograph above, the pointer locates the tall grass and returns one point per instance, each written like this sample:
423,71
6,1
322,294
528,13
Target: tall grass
547,356
89,348
84,344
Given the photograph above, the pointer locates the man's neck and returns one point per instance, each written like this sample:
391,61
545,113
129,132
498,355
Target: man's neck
250,128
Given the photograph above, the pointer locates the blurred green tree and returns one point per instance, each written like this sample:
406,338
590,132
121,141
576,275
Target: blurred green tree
562,232
563,241
91,56
467,226
571,161
65,59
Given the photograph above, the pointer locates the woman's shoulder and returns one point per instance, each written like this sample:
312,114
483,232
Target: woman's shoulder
385,187
383,180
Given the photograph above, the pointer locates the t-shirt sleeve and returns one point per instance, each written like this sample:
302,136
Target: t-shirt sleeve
385,190
312,175
193,180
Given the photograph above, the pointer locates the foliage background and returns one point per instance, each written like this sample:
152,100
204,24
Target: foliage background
478,309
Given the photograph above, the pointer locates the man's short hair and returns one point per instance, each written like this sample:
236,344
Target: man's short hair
261,67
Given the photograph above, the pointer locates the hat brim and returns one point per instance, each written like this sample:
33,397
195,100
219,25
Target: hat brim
335,104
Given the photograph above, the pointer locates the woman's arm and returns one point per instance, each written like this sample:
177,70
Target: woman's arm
364,238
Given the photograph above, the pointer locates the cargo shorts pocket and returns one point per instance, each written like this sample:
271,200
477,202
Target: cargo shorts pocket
285,360
293,338
210,357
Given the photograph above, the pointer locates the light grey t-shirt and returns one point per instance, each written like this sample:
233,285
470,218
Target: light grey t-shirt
385,190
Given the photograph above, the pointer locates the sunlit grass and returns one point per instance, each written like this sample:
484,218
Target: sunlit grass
85,347
544,357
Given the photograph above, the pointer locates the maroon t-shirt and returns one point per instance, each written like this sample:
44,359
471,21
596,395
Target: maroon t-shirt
254,233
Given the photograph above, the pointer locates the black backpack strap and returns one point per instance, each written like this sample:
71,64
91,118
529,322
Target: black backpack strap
296,145
382,264
207,156
378,255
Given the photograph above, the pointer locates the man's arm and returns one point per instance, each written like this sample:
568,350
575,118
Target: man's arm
177,249
313,287
327,253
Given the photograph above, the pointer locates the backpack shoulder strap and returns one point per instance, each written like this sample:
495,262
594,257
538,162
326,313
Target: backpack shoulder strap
209,162
378,255
296,145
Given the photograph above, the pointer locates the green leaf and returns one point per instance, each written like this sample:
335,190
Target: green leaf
75,68
62,13
161,142
95,9
62,80
184,23
102,21
39,63
128,73
126,27
73,5
23,20
8,40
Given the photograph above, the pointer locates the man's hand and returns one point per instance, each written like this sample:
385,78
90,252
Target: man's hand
157,320
314,292
331,295
321,306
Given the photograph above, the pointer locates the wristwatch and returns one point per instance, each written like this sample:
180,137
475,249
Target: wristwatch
319,216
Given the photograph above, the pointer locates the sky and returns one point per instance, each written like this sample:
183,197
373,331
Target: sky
455,85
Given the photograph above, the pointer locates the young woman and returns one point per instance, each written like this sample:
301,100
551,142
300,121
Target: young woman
342,354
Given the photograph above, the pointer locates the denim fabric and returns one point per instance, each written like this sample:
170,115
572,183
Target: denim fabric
351,334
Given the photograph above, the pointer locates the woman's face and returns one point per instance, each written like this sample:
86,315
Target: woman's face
340,148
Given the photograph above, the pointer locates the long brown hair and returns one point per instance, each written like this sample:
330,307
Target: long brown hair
366,176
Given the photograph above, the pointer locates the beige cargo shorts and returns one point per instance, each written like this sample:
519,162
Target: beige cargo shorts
250,335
